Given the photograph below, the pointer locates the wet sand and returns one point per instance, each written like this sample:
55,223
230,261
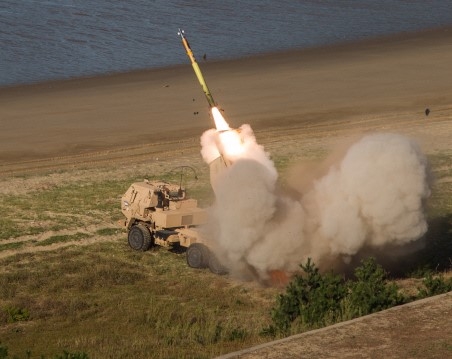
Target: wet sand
292,90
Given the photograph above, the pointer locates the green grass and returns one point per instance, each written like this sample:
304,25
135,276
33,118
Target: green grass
108,301
105,299
281,162
72,206
63,238
108,231
437,253
440,203
12,245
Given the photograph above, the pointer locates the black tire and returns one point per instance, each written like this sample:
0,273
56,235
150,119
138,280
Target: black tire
197,256
215,266
140,238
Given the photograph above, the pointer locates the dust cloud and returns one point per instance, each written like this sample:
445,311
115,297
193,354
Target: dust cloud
371,196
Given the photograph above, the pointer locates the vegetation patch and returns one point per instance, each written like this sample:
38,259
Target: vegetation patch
434,285
58,208
16,314
12,245
63,238
82,293
314,300
107,231
440,203
28,354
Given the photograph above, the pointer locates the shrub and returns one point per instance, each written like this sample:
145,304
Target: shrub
15,314
371,292
313,298
237,334
434,286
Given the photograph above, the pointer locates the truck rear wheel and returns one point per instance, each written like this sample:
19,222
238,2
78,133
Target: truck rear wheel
215,266
198,255
140,238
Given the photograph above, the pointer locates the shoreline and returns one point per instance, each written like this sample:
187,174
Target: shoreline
389,77
429,33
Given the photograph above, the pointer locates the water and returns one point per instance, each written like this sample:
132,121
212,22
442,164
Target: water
58,39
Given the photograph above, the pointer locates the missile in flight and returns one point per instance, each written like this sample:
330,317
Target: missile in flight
197,70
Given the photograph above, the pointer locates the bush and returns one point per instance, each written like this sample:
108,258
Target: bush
15,314
434,286
371,292
313,298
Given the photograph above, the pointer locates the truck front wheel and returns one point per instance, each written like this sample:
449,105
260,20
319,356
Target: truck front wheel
140,238
198,255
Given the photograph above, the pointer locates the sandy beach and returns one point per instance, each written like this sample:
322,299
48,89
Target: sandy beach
380,84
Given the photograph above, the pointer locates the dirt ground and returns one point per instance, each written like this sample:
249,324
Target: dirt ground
421,329
299,103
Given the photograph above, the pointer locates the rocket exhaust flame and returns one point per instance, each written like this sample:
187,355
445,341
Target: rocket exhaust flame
231,145
220,122
229,140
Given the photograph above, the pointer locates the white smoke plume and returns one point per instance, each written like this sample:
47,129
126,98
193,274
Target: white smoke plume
371,197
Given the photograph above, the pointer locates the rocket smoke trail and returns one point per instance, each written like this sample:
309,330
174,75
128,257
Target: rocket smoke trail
373,197
370,198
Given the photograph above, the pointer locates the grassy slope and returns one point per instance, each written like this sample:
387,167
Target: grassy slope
109,301
105,299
